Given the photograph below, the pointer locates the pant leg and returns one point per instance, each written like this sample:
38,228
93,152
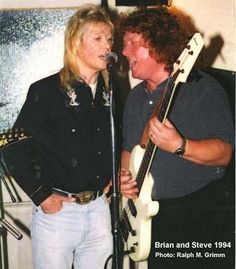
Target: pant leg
53,238
78,233
97,243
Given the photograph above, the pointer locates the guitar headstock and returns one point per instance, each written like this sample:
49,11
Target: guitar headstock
187,58
12,136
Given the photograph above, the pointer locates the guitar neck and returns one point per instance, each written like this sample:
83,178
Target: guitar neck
146,163
167,99
151,148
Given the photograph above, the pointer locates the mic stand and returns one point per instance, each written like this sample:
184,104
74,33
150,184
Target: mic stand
6,173
115,191
3,237
3,222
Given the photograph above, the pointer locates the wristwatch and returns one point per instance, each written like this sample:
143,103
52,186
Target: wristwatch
181,150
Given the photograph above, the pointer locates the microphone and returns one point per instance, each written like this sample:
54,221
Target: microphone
111,58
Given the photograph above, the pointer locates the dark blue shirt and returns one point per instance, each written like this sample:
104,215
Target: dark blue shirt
200,111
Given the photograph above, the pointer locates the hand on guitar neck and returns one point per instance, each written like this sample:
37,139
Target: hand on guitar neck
164,135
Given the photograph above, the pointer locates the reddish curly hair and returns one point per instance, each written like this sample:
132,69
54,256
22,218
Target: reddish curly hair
160,30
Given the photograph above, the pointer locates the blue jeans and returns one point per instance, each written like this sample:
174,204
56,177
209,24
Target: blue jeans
78,235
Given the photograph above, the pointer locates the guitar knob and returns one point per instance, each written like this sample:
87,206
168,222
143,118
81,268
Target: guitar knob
132,249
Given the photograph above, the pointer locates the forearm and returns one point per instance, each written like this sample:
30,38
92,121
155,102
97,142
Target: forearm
125,159
210,152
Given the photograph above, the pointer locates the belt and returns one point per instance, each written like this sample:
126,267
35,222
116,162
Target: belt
81,198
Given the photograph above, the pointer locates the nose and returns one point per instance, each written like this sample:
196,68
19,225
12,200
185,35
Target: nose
126,50
107,44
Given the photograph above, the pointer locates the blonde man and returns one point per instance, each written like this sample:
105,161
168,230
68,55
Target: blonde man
68,113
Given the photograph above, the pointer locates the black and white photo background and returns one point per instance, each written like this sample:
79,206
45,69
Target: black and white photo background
31,47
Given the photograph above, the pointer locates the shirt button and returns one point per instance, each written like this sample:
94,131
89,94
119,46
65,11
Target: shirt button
97,176
151,102
74,162
98,129
99,153
73,130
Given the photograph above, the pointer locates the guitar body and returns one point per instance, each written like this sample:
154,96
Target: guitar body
146,209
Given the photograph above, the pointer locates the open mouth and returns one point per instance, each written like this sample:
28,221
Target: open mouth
103,57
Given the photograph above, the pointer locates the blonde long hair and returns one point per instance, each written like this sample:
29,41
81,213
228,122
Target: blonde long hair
87,13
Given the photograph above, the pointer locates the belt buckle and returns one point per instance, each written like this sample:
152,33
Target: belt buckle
84,197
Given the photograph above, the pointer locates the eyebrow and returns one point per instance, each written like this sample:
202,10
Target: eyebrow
98,32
